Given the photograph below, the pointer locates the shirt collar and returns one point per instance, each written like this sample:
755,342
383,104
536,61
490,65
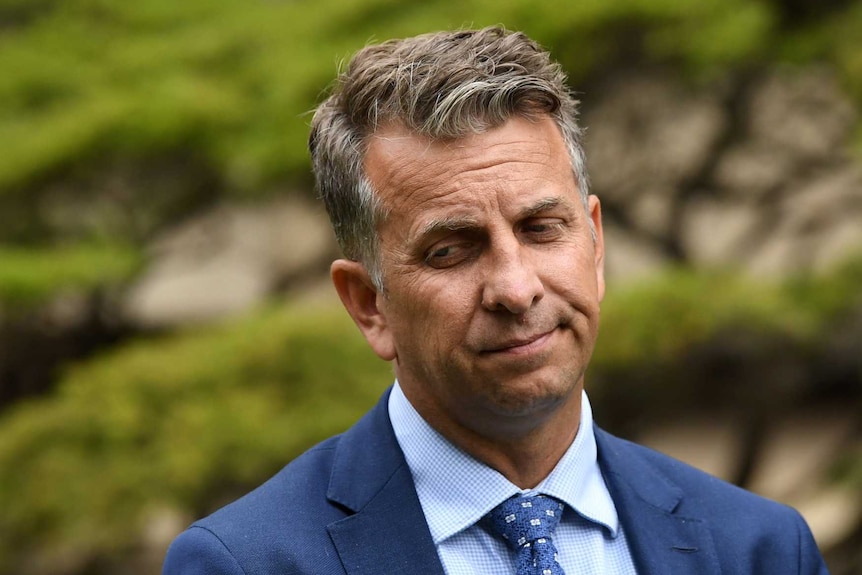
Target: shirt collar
456,490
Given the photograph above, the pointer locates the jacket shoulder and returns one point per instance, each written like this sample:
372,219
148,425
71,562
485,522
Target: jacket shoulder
747,529
299,487
699,487
264,530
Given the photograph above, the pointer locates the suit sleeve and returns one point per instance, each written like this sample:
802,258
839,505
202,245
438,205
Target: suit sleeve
198,551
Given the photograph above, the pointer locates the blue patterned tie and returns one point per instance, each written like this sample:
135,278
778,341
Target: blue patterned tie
527,523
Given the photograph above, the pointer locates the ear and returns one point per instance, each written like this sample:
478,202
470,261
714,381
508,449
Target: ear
359,296
595,208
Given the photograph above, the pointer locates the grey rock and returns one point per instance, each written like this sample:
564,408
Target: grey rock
628,258
226,261
749,171
715,233
649,131
802,111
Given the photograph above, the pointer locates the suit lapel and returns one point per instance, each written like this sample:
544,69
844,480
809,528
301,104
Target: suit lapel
662,541
387,532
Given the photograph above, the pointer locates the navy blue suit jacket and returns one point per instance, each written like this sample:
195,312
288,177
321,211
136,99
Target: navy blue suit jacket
349,506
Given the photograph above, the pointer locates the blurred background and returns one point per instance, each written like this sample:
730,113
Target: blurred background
168,336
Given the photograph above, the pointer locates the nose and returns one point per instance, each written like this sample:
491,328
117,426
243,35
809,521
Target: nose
511,281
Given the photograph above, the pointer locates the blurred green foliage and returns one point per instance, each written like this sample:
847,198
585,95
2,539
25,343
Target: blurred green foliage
30,275
180,422
92,79
95,86
188,421
722,341
656,321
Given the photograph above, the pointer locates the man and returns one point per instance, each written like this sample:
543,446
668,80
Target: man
452,170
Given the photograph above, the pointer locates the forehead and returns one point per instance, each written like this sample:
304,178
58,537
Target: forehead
412,173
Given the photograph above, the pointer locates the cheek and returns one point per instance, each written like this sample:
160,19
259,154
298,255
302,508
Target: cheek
574,278
581,265
422,318
443,316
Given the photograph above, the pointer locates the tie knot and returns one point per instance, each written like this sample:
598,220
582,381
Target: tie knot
523,521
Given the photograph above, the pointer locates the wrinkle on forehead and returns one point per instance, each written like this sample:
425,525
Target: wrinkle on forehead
412,163
477,149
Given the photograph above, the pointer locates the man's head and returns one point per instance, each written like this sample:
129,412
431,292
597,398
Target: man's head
445,86
453,174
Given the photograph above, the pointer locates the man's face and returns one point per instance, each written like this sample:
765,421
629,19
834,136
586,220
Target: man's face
492,277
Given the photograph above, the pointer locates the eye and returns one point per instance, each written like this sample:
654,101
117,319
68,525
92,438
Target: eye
448,255
536,228
443,252
543,229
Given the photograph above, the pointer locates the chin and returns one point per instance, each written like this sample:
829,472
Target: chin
531,396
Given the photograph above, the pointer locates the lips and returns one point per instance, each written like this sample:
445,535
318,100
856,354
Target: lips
520,343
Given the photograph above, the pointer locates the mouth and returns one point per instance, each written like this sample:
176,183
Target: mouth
521,345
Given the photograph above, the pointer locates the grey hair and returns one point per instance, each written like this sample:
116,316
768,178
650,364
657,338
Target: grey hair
444,86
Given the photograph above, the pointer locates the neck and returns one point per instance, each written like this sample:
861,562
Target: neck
526,462
523,451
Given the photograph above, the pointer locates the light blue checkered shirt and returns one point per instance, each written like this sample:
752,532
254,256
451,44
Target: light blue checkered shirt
456,490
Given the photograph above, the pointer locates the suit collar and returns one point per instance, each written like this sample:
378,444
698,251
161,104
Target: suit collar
371,479
661,539
366,458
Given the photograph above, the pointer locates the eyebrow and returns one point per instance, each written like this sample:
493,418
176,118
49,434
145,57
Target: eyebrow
541,206
450,224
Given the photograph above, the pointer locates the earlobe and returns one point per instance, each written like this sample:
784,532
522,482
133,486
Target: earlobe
599,244
360,297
